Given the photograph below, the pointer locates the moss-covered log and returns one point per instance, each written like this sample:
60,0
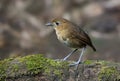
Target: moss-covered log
38,68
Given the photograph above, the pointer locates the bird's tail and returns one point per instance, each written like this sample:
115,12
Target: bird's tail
93,48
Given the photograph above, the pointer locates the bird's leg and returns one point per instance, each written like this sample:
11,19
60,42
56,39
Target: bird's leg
80,58
70,54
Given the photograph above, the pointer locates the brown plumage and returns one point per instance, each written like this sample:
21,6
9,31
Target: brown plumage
71,35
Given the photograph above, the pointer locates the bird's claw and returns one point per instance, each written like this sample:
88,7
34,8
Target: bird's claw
75,63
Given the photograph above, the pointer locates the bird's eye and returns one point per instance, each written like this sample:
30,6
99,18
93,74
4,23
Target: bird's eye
57,23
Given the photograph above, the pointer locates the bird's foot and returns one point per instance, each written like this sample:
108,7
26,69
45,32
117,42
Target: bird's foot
64,59
75,64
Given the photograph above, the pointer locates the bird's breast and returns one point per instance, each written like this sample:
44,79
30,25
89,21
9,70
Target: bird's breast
62,37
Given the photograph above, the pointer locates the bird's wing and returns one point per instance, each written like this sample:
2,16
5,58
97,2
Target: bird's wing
80,34
84,38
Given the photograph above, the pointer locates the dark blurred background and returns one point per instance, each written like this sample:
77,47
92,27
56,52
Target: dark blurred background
23,30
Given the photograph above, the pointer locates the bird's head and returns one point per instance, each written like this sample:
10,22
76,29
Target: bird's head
57,22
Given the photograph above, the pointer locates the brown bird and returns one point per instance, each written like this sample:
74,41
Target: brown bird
71,35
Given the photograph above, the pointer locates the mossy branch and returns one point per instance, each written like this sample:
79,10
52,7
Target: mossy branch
38,68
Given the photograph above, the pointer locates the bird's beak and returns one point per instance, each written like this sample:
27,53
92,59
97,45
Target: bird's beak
49,24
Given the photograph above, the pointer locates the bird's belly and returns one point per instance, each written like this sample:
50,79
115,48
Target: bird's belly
75,44
71,42
62,40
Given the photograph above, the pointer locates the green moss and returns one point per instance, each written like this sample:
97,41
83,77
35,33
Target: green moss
37,63
32,64
108,70
99,62
109,74
87,62
3,67
16,67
